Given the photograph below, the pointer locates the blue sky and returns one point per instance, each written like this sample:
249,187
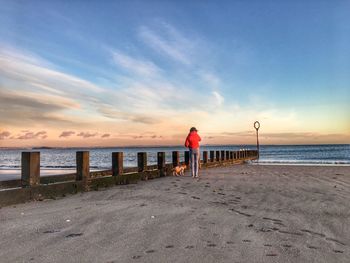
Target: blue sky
149,70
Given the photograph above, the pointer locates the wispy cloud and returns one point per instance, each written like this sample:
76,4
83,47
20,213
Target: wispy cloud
168,41
66,134
4,135
218,98
106,135
87,134
20,67
138,66
32,135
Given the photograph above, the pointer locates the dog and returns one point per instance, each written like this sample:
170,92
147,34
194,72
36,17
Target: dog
179,170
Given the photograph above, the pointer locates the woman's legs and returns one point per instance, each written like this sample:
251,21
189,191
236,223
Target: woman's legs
194,162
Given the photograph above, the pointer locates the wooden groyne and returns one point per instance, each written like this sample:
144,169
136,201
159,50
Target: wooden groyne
32,186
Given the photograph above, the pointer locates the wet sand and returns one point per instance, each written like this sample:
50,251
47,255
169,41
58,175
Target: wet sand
243,213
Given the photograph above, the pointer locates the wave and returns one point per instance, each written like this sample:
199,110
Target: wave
310,162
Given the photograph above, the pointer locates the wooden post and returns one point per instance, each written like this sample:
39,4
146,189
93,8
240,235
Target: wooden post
30,169
141,161
227,155
176,158
222,155
83,165
205,156
235,155
117,163
231,155
83,168
212,156
218,156
187,158
161,163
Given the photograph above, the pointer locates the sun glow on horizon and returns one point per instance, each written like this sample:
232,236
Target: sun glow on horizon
89,80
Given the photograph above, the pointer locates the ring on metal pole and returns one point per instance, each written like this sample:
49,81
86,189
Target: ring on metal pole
257,125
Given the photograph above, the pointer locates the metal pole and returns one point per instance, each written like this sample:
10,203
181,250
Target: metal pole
257,126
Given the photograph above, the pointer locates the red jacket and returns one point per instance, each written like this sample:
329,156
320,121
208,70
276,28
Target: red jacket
192,140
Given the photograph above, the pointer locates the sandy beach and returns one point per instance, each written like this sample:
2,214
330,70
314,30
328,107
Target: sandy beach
242,213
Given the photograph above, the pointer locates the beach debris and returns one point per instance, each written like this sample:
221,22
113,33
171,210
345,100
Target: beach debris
22,214
67,220
153,217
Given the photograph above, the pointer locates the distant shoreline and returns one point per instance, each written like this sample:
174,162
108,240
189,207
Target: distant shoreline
163,146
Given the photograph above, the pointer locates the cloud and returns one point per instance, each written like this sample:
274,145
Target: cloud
110,112
4,135
309,135
218,98
138,66
66,134
26,68
106,135
168,41
86,134
211,79
24,108
32,135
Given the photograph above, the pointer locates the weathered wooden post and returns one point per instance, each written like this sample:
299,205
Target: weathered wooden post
205,156
227,155
30,169
176,158
212,156
217,156
187,158
231,155
117,163
222,155
141,161
161,163
83,168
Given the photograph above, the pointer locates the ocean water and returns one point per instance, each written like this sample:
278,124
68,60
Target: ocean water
100,158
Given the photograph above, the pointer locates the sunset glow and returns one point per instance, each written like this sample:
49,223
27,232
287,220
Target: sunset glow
144,72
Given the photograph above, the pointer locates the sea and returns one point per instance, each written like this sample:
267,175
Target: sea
62,160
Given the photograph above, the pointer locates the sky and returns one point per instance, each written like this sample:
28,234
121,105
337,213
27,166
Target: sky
118,73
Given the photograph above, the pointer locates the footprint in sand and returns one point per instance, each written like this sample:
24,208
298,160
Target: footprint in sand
287,245
150,251
136,257
271,255
169,246
312,247
335,241
195,197
338,251
189,247
230,242
74,235
246,240
267,245
51,231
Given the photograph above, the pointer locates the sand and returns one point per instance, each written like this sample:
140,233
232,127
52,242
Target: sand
243,213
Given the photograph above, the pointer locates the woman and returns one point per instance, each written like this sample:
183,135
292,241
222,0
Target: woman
192,143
